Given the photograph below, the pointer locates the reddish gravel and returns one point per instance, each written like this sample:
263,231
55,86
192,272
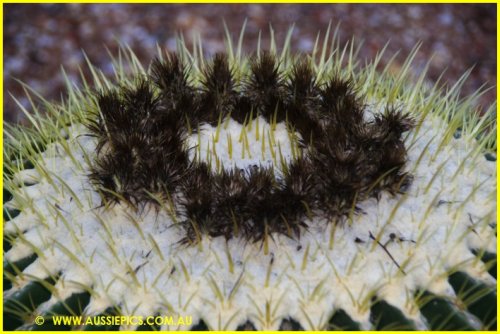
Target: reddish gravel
39,38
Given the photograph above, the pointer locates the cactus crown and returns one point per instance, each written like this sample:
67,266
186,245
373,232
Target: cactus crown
141,146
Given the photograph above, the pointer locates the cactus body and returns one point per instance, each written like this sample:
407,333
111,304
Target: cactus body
413,258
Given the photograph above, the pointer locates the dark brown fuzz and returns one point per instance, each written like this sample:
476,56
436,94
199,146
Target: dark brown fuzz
218,96
197,202
140,145
177,95
265,87
303,101
141,149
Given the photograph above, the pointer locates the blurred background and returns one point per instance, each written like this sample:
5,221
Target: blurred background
40,38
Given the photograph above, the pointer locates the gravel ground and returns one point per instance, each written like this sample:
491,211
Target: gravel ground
39,38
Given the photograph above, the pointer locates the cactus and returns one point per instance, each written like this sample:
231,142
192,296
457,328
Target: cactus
269,191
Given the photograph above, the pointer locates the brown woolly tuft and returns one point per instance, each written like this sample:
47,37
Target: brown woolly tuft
218,96
140,145
266,87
